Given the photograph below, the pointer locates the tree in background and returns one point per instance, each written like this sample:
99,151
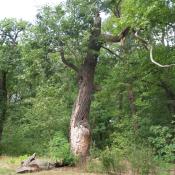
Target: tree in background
10,29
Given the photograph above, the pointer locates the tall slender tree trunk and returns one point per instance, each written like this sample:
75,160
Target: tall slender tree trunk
3,100
170,96
131,99
80,133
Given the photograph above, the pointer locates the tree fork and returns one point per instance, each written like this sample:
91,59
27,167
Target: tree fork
80,133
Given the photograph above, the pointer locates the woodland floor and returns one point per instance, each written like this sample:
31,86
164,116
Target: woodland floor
8,166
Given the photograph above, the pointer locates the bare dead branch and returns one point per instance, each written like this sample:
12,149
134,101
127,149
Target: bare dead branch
149,47
158,64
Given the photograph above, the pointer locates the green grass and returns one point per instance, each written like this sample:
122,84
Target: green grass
8,166
5,171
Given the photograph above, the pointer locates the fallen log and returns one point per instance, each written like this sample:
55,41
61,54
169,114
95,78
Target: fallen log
33,165
27,169
30,159
42,164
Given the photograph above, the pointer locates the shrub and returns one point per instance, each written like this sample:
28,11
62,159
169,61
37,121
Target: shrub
94,152
112,161
142,161
95,166
163,141
59,150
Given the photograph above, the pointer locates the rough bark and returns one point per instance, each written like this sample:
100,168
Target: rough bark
3,100
80,135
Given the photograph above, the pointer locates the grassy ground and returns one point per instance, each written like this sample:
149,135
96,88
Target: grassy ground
8,166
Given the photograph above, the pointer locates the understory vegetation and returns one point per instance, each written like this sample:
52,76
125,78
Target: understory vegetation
132,115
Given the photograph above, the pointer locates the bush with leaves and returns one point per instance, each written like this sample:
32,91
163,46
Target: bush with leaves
112,161
163,141
142,160
59,150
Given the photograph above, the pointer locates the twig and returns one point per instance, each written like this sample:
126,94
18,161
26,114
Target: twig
111,51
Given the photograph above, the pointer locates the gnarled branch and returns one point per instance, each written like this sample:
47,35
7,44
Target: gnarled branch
113,39
110,38
66,62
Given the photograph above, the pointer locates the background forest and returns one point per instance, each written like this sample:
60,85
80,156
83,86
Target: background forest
132,115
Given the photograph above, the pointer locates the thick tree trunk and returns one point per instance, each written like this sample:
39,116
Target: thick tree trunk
80,134
3,100
80,129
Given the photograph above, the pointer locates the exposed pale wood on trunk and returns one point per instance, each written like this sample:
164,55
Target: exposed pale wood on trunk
80,135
